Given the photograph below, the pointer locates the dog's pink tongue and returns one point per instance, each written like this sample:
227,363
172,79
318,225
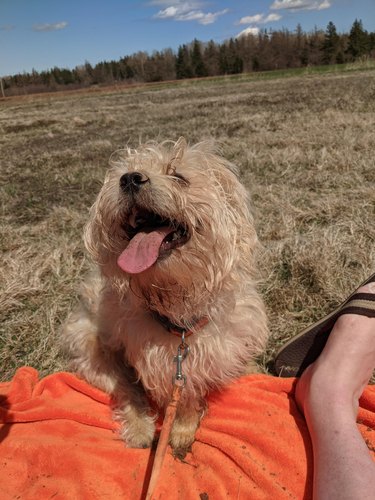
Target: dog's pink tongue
142,251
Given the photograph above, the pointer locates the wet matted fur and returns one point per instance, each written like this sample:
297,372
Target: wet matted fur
174,242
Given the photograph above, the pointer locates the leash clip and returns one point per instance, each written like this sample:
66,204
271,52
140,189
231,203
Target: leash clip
182,352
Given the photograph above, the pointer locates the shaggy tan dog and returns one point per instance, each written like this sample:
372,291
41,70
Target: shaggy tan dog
174,240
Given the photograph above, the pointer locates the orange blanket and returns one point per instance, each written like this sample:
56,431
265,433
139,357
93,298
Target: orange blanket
57,440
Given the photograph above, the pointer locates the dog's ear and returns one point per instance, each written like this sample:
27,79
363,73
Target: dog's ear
177,154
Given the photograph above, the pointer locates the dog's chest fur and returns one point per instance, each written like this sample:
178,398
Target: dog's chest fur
218,352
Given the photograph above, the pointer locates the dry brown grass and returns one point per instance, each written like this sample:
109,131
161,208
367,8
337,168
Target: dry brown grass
305,146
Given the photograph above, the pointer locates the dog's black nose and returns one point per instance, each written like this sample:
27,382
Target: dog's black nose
132,181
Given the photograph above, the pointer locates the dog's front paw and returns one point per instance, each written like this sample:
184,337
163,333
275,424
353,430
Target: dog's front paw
183,434
138,432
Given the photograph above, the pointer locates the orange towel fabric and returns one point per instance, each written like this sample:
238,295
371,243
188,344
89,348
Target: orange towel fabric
57,440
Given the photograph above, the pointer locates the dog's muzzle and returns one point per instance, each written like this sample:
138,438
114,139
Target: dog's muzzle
133,181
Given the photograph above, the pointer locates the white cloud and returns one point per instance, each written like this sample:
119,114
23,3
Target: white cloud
324,5
272,17
186,11
254,21
259,19
252,30
251,19
169,12
201,17
301,4
50,27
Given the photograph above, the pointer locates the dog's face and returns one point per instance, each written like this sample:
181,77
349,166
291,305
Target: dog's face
174,221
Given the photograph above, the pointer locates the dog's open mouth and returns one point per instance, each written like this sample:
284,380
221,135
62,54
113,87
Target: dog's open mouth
151,237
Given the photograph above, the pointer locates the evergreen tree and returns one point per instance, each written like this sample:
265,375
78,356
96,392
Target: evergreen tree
126,71
358,40
230,62
211,58
300,46
331,44
371,40
316,39
89,71
183,66
197,63
237,64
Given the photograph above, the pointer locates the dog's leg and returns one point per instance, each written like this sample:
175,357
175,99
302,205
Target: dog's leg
133,412
107,370
184,428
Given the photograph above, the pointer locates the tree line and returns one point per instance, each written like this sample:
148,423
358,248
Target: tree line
268,50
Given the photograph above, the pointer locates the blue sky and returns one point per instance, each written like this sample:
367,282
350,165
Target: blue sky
41,34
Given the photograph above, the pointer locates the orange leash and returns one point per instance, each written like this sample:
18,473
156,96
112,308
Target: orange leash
161,449
179,381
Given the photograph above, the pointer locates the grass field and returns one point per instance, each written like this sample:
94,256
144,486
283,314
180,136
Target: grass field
305,147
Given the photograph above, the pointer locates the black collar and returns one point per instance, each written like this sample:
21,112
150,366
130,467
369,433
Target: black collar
194,325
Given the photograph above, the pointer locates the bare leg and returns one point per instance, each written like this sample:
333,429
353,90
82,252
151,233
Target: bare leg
328,393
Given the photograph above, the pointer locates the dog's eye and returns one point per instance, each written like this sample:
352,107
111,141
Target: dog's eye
180,178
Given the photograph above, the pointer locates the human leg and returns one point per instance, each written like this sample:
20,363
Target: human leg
328,393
